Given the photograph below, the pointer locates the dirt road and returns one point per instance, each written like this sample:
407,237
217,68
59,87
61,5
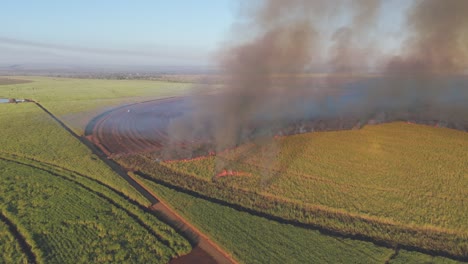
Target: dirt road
205,250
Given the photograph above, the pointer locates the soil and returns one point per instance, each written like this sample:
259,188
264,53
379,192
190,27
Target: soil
7,81
197,255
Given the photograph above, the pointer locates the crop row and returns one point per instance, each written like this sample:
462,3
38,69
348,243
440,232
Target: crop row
254,239
50,143
409,173
376,199
426,238
88,221
13,247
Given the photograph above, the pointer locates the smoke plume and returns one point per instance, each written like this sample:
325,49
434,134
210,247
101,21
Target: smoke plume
269,88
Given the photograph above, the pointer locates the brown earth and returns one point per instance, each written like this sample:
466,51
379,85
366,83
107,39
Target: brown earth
6,81
197,255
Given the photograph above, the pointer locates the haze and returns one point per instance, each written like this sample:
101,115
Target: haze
132,34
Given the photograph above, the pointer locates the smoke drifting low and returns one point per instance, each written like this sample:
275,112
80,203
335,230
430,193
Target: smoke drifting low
269,88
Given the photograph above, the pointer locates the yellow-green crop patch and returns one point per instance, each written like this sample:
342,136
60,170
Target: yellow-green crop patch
254,239
76,101
108,224
405,172
398,182
29,132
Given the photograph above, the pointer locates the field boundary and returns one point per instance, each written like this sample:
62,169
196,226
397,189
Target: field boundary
15,157
101,195
381,231
212,248
327,230
161,205
91,124
429,239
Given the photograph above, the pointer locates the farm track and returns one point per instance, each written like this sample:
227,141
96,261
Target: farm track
25,246
94,131
99,194
311,226
190,232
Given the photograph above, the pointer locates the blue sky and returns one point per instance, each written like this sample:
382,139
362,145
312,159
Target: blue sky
118,32
175,31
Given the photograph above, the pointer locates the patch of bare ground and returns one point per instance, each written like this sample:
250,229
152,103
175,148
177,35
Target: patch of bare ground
7,81
197,255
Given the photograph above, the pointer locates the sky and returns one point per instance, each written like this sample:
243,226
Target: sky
118,32
153,32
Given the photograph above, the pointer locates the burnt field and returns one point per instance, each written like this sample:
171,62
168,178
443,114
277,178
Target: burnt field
172,129
137,128
313,174
145,128
354,176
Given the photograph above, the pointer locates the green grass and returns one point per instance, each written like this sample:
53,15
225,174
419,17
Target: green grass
67,218
326,178
76,101
29,132
30,135
400,183
47,89
253,239
107,225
